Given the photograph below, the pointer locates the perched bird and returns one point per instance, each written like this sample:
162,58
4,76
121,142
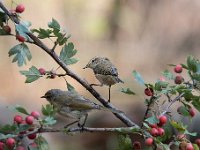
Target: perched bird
71,104
104,71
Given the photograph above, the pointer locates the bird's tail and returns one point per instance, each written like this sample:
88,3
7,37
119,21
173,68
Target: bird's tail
119,80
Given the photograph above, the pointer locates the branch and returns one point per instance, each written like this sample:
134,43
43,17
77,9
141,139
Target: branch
127,130
151,101
70,73
171,102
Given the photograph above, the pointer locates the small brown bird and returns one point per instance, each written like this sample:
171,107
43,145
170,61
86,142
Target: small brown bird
71,104
104,71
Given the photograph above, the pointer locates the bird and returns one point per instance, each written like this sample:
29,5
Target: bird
104,71
73,105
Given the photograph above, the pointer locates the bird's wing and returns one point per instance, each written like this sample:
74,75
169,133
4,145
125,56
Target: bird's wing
78,102
106,68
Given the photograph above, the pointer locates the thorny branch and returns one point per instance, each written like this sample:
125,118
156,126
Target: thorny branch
82,129
69,72
171,102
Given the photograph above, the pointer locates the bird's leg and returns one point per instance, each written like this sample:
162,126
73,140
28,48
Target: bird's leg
66,126
109,94
83,124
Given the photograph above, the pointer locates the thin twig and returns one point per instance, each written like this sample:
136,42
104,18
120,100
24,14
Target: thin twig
70,73
171,102
148,109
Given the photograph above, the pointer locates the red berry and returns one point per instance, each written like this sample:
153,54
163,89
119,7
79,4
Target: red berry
20,38
18,119
154,132
162,120
189,146
192,112
35,114
20,8
29,120
178,79
42,71
197,141
7,28
153,125
32,136
178,69
148,91
20,148
2,146
10,142
161,131
137,145
149,141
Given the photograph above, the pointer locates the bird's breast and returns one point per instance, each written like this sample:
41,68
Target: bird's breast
107,79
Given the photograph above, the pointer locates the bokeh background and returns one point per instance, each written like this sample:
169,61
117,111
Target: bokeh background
142,35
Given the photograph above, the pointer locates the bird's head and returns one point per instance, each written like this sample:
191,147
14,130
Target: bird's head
51,94
94,62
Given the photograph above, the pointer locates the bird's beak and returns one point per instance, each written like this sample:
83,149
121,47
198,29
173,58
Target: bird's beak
43,96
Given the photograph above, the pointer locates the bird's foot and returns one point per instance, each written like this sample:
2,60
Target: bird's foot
81,126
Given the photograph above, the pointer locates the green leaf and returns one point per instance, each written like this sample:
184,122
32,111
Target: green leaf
23,127
160,85
49,121
70,87
31,75
54,24
152,120
183,111
21,110
127,91
190,133
67,53
124,143
138,77
48,110
42,143
196,104
179,126
192,64
8,128
42,33
3,137
196,147
21,52
168,75
22,29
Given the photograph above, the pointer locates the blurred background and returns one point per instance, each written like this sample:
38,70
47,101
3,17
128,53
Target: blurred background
135,35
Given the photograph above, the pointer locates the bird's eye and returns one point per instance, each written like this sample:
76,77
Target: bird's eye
93,60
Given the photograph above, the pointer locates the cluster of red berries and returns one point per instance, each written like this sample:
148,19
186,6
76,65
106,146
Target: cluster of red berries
156,130
184,145
18,119
19,9
50,74
178,79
